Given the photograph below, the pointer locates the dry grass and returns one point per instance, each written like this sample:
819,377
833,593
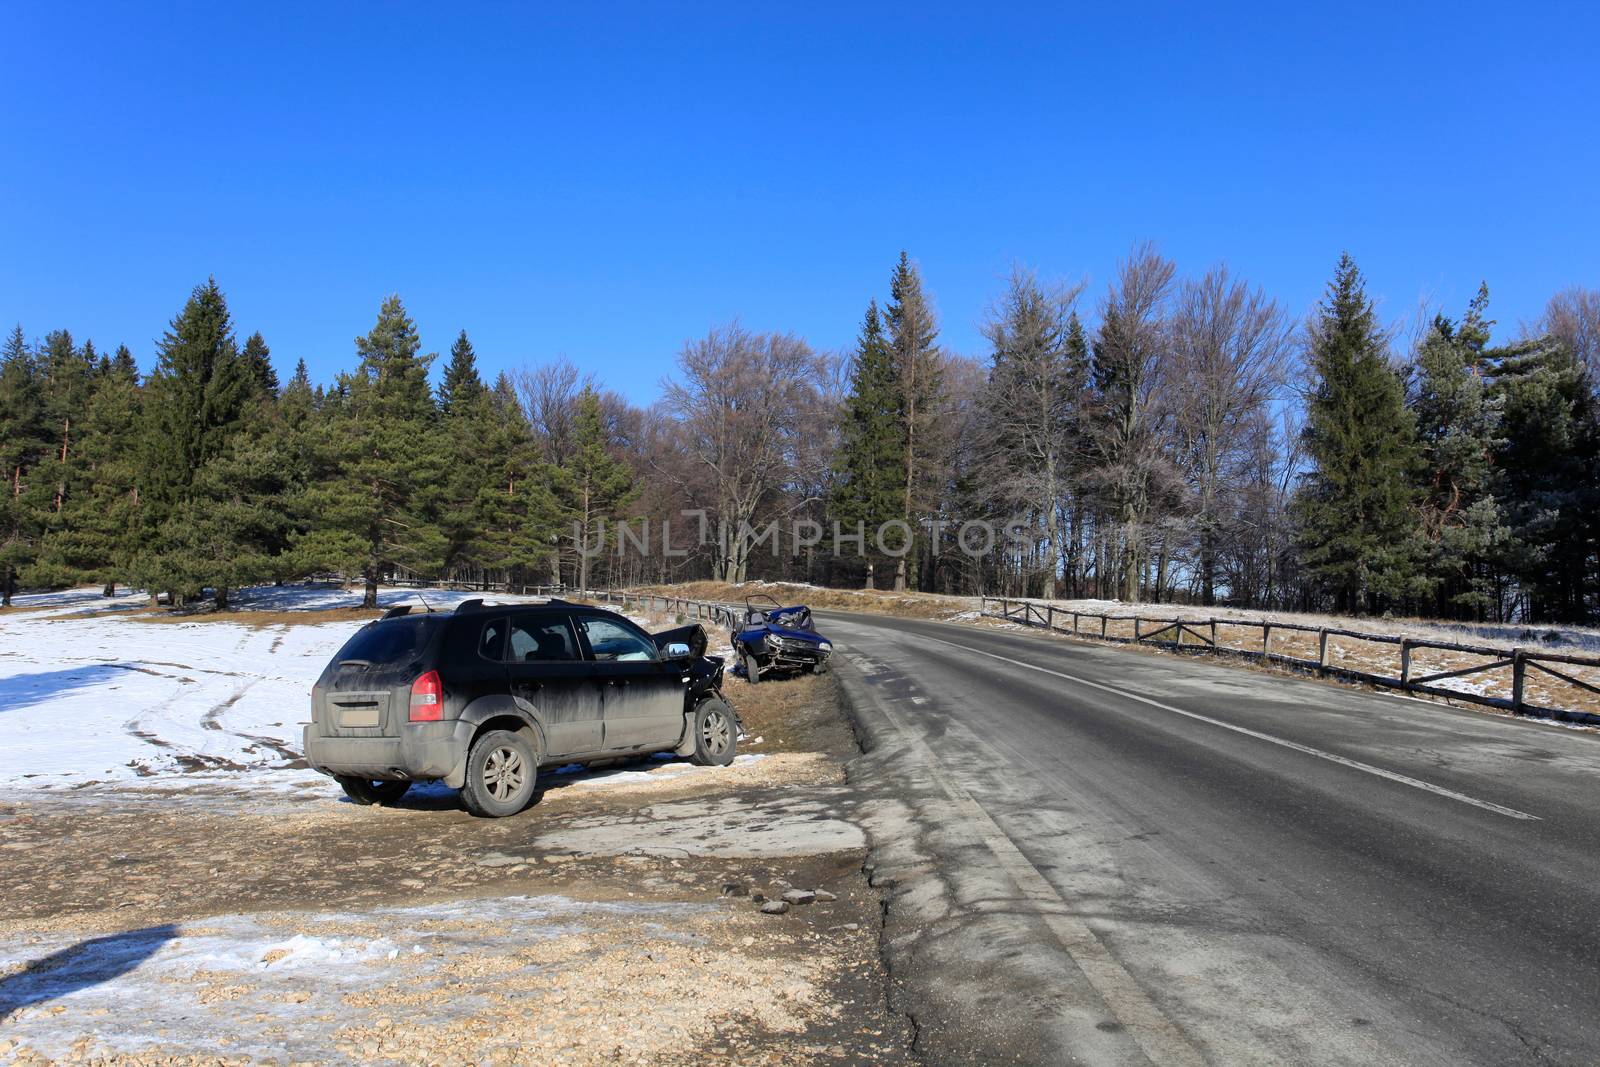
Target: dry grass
1239,631
880,602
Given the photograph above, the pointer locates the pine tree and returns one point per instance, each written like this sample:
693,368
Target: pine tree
257,366
67,378
461,380
1358,503
25,444
194,405
869,465
1028,403
1549,489
1458,423
593,485
919,385
470,428
516,512
99,531
373,500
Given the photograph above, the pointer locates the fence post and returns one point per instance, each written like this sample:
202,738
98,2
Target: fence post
1519,674
1102,627
1322,651
1136,636
1050,617
1074,624
1405,662
1266,641
1213,635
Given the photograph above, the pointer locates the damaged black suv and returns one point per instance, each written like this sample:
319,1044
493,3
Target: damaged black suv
484,696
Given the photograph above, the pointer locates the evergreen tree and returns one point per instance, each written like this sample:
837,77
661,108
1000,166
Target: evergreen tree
194,404
373,499
1458,423
461,380
67,378
593,485
1358,502
919,386
25,441
257,367
471,432
1550,488
99,528
868,467
516,510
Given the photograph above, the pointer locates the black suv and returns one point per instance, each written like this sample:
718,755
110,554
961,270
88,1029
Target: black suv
483,696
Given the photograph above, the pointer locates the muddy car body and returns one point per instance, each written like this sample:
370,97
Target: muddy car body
482,697
774,639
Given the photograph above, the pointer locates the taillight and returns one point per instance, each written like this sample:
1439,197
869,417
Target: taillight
427,698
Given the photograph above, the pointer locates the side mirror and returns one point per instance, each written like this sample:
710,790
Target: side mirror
677,650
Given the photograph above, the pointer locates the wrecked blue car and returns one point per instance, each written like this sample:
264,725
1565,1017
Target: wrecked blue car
775,640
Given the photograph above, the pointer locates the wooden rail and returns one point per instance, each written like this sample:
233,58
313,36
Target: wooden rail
1200,636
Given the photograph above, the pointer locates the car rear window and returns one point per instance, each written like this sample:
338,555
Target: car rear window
390,641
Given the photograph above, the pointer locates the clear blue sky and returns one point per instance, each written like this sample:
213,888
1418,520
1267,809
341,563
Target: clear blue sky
605,187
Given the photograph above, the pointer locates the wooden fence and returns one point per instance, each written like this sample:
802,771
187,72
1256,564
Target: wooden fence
1201,636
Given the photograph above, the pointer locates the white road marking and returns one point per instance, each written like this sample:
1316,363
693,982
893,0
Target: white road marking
1285,742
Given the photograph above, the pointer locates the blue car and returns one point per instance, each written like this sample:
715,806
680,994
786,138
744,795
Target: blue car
778,640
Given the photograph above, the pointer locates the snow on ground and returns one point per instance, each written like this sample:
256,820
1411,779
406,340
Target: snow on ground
94,693
286,984
114,699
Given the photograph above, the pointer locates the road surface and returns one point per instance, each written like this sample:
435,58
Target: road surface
1106,856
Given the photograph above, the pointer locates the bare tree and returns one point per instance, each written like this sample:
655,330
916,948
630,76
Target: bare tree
1230,347
745,405
1132,362
1573,318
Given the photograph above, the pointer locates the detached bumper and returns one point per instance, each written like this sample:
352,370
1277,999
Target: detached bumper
424,750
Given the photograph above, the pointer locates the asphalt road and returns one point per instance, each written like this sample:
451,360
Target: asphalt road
1100,855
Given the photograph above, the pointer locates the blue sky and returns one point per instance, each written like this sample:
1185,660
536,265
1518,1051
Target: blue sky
604,187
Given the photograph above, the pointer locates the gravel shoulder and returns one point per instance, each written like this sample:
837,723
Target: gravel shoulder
618,920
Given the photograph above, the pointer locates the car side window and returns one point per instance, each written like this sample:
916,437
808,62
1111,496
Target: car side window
492,642
541,640
612,642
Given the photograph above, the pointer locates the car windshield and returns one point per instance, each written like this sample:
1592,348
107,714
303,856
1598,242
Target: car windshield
390,641
796,618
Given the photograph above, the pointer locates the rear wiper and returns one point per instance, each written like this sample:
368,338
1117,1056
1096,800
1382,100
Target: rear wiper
355,663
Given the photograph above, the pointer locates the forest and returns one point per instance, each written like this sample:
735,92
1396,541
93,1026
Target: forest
1169,438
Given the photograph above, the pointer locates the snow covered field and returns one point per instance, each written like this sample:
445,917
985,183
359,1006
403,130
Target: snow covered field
107,693
97,691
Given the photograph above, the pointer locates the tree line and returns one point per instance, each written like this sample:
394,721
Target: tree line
1170,439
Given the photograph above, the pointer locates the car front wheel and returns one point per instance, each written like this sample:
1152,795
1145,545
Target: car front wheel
366,791
501,771
716,733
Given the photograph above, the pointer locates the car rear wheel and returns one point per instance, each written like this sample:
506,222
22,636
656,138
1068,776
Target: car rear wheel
369,791
501,772
716,733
